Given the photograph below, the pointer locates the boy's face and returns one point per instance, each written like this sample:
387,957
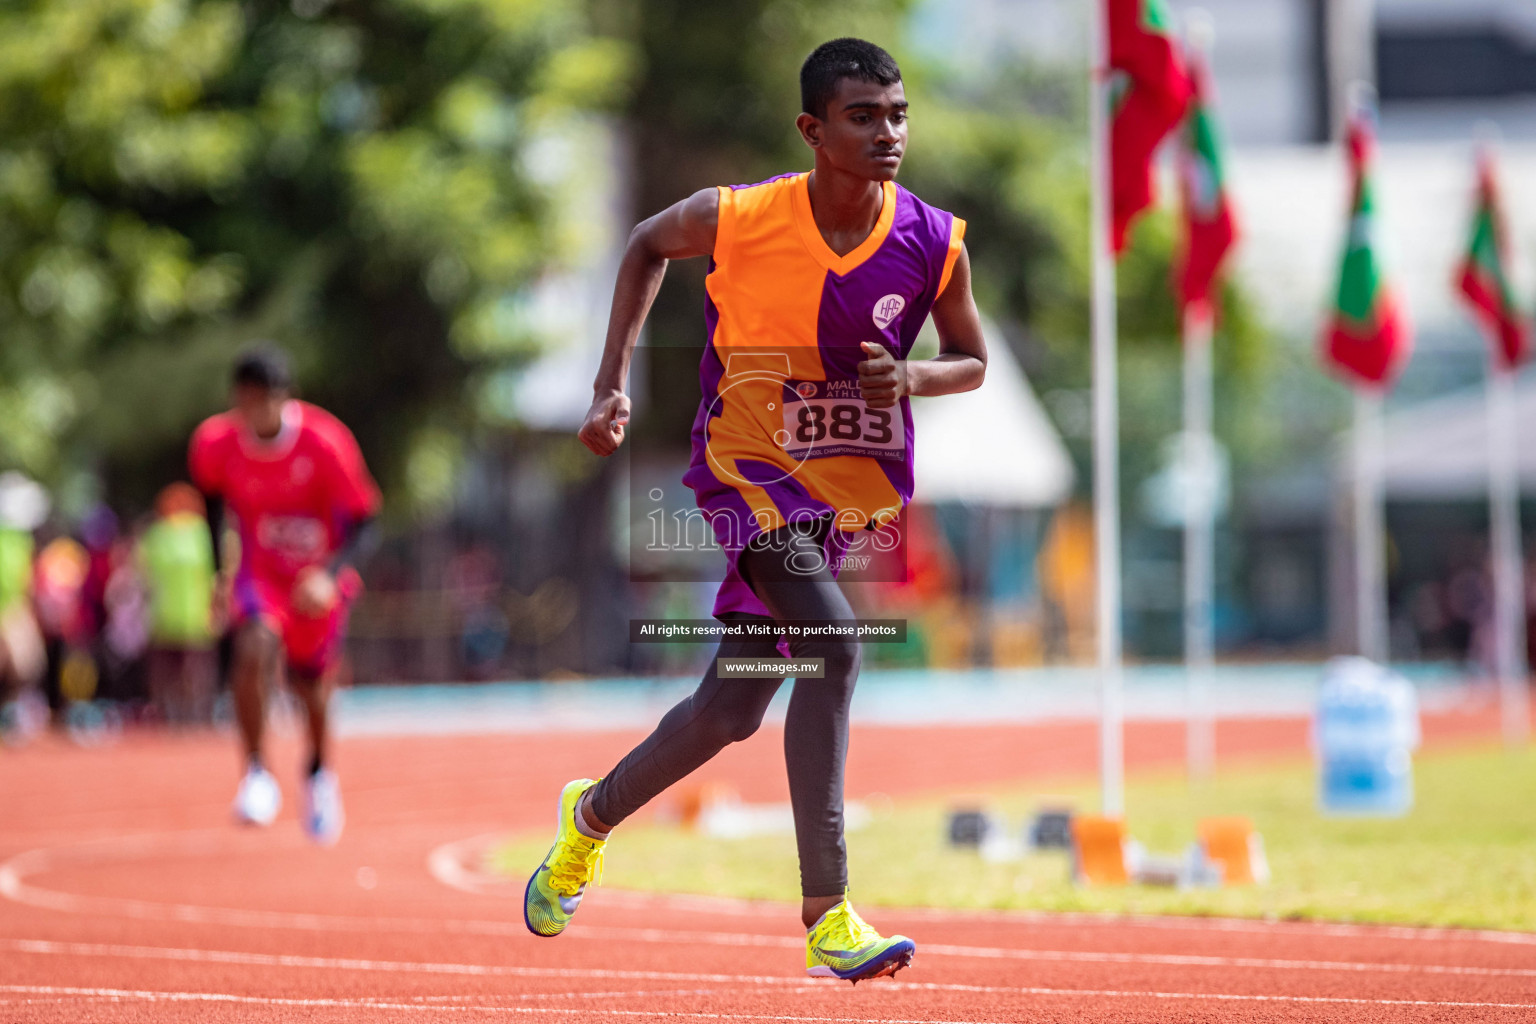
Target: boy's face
260,408
865,130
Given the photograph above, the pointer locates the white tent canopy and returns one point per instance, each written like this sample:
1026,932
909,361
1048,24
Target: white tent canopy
992,446
1438,449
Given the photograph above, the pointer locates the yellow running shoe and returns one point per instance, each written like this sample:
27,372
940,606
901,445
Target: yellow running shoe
841,945
554,891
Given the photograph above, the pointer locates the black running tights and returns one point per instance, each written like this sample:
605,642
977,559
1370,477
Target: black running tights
723,711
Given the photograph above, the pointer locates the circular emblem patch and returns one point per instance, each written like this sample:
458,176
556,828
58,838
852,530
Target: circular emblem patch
888,309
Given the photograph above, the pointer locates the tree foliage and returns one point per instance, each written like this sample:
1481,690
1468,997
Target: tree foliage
366,183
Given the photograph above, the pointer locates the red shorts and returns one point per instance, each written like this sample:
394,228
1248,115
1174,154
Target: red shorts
311,643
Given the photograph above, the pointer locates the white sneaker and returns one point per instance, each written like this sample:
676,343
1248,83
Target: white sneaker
323,813
258,799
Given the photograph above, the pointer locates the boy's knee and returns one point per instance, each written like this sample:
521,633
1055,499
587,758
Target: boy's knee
845,658
840,659
256,641
736,725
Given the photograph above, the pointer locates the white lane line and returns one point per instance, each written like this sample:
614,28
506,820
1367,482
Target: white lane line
1273,929
369,1004
659,935
1074,993
88,949
631,993
1190,960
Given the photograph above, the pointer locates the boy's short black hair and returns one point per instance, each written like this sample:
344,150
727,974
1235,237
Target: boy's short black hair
842,58
263,366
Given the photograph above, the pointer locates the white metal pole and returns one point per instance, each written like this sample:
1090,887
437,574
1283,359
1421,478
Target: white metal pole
1199,543
1370,528
1106,428
1200,497
1508,568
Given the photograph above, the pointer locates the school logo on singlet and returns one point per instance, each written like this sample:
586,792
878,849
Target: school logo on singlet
888,309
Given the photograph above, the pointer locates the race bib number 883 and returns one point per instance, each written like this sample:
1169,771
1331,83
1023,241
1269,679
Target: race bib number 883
829,417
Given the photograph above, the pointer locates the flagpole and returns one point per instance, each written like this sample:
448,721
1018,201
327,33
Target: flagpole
1508,570
1200,497
1370,528
1199,542
1370,513
1504,547
1106,428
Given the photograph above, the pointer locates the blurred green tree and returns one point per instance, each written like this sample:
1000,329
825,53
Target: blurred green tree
366,183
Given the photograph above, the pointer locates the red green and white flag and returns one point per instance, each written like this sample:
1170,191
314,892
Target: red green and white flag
1210,230
1367,338
1482,278
1150,90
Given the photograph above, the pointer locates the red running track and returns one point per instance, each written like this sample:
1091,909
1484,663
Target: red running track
125,896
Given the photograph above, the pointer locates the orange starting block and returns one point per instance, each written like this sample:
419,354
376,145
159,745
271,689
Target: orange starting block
1233,844
1098,850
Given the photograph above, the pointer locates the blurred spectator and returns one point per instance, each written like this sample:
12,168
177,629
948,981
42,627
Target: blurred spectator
59,576
1469,611
1067,582
473,581
98,532
23,504
919,583
112,611
175,556
1530,612
123,642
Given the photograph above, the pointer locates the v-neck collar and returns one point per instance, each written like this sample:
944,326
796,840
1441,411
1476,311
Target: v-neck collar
278,445
811,234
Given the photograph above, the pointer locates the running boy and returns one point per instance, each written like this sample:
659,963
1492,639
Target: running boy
817,287
295,480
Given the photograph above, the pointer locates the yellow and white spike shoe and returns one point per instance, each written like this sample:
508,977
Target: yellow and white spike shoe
841,945
555,890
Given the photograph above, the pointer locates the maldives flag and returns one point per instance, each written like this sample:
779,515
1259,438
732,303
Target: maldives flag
1482,278
1150,90
1367,338
1209,228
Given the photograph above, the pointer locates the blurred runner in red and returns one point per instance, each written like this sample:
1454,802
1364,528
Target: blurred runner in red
304,502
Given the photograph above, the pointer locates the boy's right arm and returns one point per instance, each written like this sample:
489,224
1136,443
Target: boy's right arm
680,231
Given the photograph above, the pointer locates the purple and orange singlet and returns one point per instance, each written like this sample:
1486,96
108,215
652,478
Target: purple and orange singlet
782,434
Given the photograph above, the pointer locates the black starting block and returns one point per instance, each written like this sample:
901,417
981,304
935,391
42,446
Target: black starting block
1051,829
970,826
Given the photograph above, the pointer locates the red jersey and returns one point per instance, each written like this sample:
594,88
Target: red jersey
295,495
